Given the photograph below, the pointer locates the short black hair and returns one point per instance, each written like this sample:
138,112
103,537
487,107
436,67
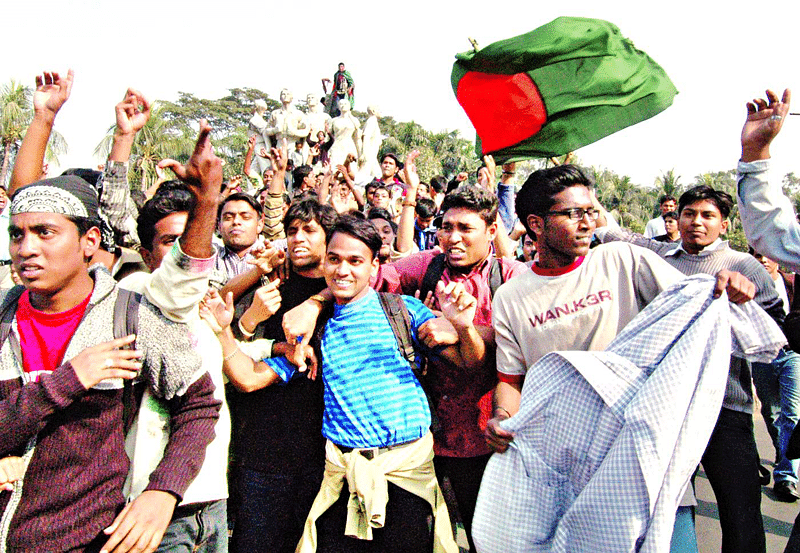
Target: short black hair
383,187
241,197
174,198
426,208
300,173
670,215
309,209
722,200
380,213
370,185
474,198
360,229
438,184
666,198
537,193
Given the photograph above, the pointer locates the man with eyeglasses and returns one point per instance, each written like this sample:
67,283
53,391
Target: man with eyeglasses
573,298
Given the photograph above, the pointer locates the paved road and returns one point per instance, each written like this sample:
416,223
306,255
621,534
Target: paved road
778,516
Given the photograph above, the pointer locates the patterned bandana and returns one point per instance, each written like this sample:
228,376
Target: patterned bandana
66,195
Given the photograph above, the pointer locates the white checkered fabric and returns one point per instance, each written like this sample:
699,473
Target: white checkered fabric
605,442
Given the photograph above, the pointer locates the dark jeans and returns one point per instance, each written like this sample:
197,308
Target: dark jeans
272,510
407,528
731,464
465,476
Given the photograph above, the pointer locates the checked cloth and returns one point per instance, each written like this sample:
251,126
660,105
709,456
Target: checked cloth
605,442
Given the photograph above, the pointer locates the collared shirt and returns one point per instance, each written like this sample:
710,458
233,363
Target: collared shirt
462,398
230,264
605,442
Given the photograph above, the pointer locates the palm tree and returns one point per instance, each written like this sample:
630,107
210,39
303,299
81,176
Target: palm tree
157,140
16,112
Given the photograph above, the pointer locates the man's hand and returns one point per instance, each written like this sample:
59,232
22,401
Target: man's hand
410,170
300,355
462,176
52,91
203,171
438,332
107,360
458,306
216,313
266,301
487,175
266,258
300,322
251,144
141,524
764,121
11,470
279,159
738,287
497,438
132,112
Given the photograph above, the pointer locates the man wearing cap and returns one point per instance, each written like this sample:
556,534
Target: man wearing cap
62,374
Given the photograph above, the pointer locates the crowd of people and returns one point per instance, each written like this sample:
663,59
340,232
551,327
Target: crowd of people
299,360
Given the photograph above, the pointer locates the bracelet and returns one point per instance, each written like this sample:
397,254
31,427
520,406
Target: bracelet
504,410
508,173
235,351
409,204
319,298
244,331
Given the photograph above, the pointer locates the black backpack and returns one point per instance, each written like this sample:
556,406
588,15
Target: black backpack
435,270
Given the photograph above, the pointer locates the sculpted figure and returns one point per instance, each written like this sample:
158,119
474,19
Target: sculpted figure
346,135
259,128
371,142
287,124
317,119
343,88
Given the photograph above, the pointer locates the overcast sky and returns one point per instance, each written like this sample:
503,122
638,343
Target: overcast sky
717,54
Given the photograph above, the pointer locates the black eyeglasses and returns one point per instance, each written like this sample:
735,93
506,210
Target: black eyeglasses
577,213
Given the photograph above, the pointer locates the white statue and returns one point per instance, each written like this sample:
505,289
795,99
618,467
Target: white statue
287,123
371,139
346,135
258,127
317,119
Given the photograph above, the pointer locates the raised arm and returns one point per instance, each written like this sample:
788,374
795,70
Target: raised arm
767,214
52,91
405,229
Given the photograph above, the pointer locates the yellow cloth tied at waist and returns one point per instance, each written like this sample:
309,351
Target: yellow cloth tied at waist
408,466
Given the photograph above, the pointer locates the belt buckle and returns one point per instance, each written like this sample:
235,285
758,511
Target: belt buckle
369,454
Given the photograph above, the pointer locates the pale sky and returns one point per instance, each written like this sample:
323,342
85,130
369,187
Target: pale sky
718,54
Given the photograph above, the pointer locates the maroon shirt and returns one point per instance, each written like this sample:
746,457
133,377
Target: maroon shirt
462,398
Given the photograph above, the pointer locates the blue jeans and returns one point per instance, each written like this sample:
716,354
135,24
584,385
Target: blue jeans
197,529
781,379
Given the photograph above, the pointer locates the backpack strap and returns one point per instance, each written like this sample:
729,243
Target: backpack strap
433,274
495,276
397,314
126,322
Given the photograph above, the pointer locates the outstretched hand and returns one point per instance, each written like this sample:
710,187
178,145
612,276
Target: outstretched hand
410,169
765,118
132,112
216,312
52,91
457,305
203,171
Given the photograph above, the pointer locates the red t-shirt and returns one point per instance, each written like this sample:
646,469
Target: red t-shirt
44,337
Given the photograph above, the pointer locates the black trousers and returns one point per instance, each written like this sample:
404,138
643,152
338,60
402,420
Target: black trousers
408,527
464,474
731,464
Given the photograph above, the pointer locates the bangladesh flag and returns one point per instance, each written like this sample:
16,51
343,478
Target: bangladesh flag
564,85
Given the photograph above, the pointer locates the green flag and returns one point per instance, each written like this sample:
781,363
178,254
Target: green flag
564,85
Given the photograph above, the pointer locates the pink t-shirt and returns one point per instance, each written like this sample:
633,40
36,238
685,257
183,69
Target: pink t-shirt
44,337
